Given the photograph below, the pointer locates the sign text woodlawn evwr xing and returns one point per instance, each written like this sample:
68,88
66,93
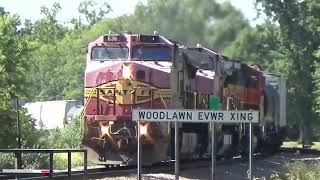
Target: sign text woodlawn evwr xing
196,116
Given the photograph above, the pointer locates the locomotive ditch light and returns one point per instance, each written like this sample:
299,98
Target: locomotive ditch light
104,129
143,129
126,71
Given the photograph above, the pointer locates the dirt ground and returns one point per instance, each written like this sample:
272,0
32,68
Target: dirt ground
262,169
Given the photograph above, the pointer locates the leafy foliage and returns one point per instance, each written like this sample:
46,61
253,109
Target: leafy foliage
61,159
14,66
13,69
92,11
56,73
260,46
299,37
298,170
13,59
68,137
6,161
45,60
208,22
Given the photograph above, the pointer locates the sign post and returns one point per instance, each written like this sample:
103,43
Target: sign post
213,151
139,152
176,150
213,105
250,152
195,116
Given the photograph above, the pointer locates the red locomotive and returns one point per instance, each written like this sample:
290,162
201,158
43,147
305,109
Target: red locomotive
127,71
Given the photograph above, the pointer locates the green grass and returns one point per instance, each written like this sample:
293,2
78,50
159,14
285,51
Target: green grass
292,144
316,146
299,171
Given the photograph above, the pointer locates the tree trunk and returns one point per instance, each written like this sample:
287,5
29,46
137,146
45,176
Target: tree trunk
305,135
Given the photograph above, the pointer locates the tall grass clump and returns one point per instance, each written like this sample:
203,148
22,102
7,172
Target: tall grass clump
300,171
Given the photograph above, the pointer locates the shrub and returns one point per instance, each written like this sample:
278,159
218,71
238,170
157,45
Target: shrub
61,160
35,161
299,170
6,161
69,137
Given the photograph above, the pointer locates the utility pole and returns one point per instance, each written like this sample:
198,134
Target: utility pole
18,162
19,125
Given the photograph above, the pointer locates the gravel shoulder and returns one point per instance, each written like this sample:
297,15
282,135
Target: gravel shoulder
262,169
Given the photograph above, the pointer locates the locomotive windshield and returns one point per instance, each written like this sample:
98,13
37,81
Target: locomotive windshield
208,66
151,53
109,53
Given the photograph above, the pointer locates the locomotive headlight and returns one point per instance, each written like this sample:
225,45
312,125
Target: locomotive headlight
143,129
104,129
126,71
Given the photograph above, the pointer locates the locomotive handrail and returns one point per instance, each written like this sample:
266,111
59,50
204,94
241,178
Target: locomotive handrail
164,103
206,103
87,102
84,109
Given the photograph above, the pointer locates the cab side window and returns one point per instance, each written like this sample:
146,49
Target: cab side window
253,82
208,66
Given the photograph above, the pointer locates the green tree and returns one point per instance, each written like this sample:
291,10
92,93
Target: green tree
316,77
47,30
299,36
46,61
187,21
13,58
59,54
14,61
93,11
260,46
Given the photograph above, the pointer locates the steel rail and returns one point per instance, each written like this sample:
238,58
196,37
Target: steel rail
167,166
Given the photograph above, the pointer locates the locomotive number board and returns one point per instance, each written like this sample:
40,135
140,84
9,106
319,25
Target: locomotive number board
195,116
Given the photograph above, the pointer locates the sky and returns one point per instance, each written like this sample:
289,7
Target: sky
30,9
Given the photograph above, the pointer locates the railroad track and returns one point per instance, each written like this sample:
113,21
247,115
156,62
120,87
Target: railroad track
301,150
168,167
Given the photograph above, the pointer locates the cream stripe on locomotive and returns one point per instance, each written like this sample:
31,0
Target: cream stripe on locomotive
124,91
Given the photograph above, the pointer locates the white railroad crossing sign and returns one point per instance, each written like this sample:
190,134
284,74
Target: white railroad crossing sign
195,116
